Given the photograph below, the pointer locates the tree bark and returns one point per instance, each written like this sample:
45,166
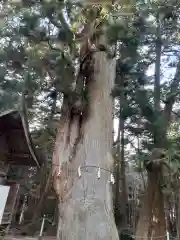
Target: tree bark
152,216
85,203
121,199
177,204
124,197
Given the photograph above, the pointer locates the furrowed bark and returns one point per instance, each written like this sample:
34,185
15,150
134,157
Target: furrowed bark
85,204
152,217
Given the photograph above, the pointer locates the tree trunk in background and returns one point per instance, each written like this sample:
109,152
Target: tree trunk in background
178,214
169,205
121,200
85,203
124,198
167,208
152,216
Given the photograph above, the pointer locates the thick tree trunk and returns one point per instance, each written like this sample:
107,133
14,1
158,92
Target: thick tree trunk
85,206
152,216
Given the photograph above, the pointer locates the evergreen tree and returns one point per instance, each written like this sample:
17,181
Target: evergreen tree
149,109
61,55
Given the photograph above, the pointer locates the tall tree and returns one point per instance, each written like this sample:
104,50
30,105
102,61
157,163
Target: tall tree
49,49
86,205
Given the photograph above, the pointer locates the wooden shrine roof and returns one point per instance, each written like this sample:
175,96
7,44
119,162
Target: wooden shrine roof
16,144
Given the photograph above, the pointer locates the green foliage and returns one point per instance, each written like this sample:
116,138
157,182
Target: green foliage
43,43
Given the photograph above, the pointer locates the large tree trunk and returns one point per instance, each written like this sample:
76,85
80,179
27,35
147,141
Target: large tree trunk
85,206
152,216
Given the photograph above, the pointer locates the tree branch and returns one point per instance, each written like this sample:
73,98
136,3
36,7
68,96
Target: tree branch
24,118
